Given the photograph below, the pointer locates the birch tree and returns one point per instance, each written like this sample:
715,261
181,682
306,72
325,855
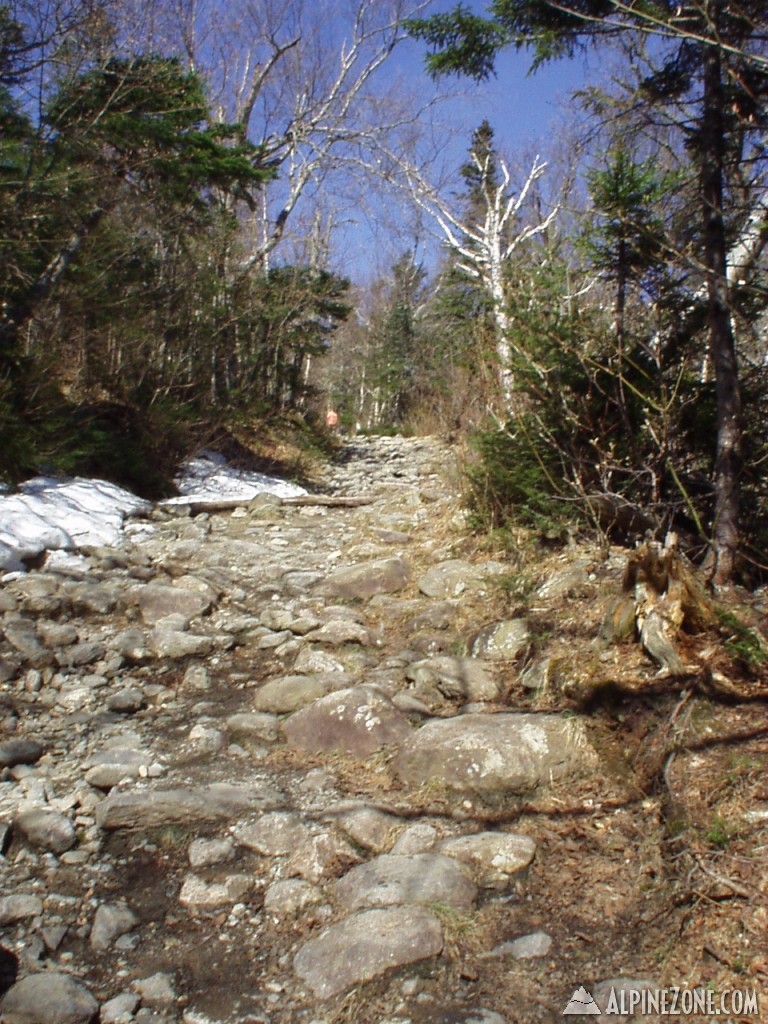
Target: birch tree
301,79
485,237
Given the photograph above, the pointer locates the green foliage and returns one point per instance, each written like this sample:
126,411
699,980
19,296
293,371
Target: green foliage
461,42
626,240
513,480
146,117
742,643
720,832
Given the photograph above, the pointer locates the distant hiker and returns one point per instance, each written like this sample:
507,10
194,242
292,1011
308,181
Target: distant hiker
332,419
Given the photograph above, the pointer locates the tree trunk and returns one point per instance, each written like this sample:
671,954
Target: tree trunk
722,350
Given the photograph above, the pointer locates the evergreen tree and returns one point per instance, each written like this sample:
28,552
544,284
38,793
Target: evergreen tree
711,56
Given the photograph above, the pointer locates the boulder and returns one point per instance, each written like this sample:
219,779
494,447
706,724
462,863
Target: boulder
362,581
491,754
393,880
219,801
48,998
357,721
365,946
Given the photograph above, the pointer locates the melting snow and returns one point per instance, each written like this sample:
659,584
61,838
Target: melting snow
209,478
51,514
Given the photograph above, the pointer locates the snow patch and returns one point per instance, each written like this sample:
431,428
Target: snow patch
50,514
209,478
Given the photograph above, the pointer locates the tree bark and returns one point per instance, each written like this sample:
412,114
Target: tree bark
725,531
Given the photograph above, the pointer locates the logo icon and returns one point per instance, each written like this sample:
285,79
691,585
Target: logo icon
582,1002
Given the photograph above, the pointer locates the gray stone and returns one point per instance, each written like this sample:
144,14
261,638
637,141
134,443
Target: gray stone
455,678
274,834
496,860
197,894
18,907
502,641
78,655
126,701
393,879
48,998
448,579
339,632
370,828
529,947
362,581
110,922
20,751
290,896
205,852
119,1010
156,602
110,767
504,753
219,801
253,725
46,830
171,643
357,721
365,946
157,990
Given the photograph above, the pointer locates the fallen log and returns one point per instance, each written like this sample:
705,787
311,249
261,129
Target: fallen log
196,506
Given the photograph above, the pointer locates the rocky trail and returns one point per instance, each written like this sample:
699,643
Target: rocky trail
312,762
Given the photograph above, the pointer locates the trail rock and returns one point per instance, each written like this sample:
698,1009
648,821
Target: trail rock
110,922
216,802
197,894
273,835
455,678
365,946
171,643
357,721
448,579
126,701
48,998
290,896
46,830
18,907
504,753
20,751
392,879
502,641
157,601
495,859
289,693
385,576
